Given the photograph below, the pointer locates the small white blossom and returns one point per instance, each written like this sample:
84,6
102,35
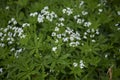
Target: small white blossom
76,17
84,13
106,55
92,36
87,24
12,49
85,33
25,24
56,41
59,36
7,7
71,38
68,11
82,64
65,39
53,34
118,12
100,10
56,29
81,3
61,19
80,21
85,37
1,34
34,14
88,30
75,64
40,18
54,49
1,70
93,41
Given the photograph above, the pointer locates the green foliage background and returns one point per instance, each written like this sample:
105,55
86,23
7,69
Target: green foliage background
38,62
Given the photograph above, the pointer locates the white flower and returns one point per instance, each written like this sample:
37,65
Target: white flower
77,43
75,64
81,3
88,30
100,10
92,36
85,33
68,11
84,13
106,55
1,70
71,38
64,10
46,8
25,24
1,34
65,39
118,29
10,42
72,44
56,29
56,41
118,12
34,14
93,41
82,64
80,21
2,44
59,36
23,36
54,49
85,37
53,34
12,49
87,24
93,30
7,7
76,17
40,18
61,19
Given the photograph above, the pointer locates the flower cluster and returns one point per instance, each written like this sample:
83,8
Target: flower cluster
44,14
11,33
67,11
81,64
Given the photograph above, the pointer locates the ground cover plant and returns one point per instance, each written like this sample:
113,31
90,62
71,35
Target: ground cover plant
59,40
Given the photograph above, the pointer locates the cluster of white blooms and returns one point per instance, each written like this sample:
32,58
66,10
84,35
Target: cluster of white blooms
67,11
81,64
78,19
91,33
1,70
46,14
9,35
69,35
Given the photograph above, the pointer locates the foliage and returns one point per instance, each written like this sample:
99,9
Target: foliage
59,40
